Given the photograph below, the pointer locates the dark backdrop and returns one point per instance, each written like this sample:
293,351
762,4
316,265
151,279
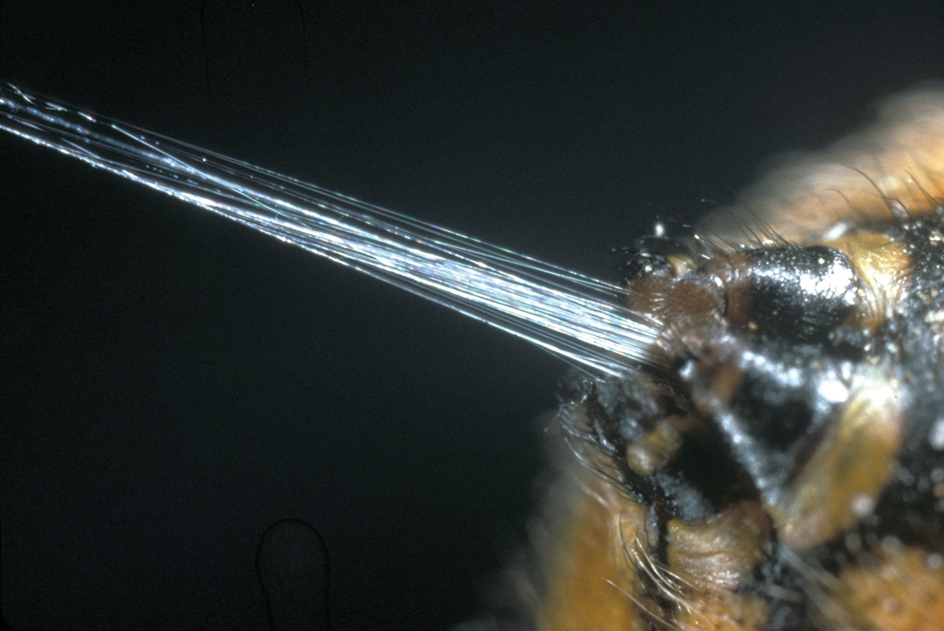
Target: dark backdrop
172,383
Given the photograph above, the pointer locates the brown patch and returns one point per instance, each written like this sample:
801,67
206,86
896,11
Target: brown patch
896,590
721,552
845,475
724,611
593,583
654,450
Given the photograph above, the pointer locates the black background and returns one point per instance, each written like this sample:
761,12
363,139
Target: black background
172,383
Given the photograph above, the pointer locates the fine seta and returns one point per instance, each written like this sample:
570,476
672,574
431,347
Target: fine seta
573,316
